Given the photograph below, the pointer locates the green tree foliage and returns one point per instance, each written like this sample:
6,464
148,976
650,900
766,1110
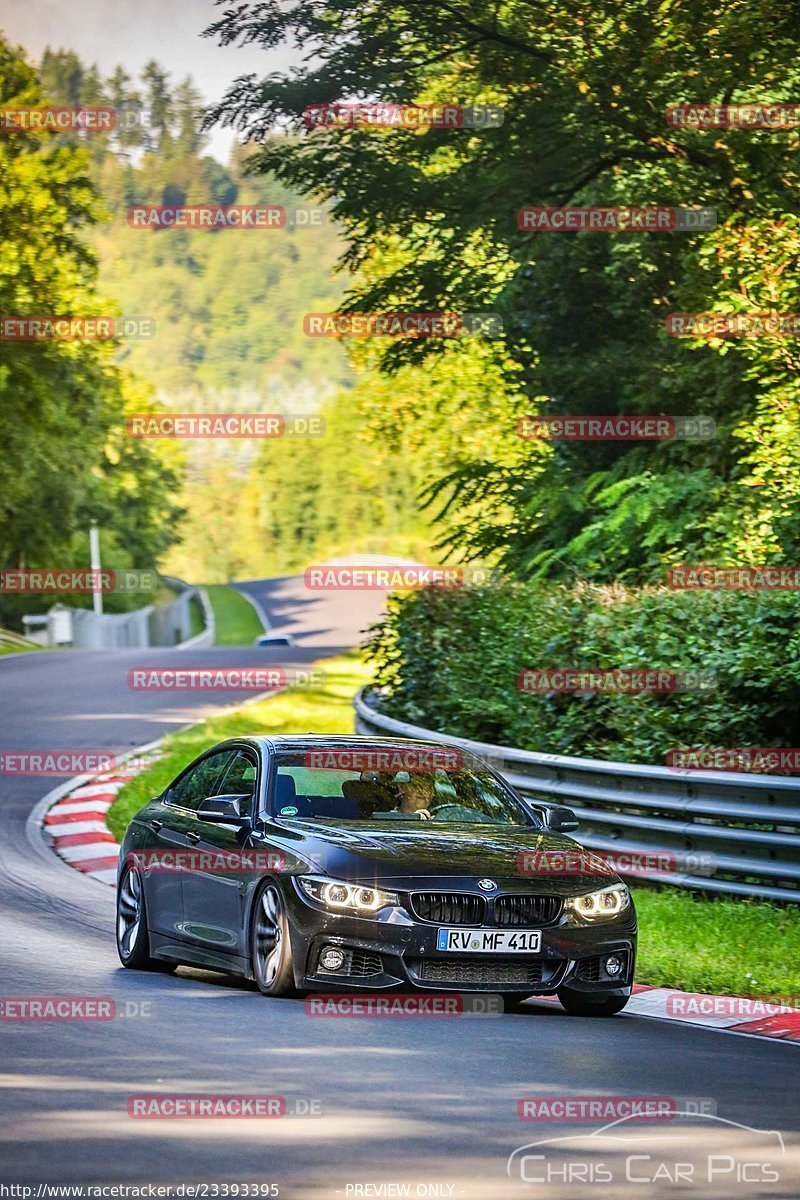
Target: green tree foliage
430,219
227,306
228,310
66,459
358,487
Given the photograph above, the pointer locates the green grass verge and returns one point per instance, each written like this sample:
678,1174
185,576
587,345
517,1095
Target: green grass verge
237,622
700,945
324,709
718,945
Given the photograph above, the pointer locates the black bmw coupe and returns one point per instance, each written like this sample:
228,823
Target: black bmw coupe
339,864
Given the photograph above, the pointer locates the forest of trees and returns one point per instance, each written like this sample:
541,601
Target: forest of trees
228,310
430,218
67,460
422,453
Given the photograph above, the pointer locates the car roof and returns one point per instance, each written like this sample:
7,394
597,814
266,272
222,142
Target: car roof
308,741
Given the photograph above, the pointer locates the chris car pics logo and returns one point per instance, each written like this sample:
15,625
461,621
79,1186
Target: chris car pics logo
695,1153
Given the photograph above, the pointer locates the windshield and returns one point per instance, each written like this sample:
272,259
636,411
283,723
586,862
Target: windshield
469,795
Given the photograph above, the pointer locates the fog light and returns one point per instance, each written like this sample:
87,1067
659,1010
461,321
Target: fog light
613,965
331,958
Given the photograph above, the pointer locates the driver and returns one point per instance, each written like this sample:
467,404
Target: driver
416,793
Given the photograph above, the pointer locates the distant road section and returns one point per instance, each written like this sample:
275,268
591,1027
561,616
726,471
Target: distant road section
330,620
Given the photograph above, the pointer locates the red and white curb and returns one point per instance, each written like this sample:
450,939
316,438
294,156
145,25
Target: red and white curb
735,1014
76,825
728,1014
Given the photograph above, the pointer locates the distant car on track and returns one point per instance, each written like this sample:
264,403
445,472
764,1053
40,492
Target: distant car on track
317,863
275,639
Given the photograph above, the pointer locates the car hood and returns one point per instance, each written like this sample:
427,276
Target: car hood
362,853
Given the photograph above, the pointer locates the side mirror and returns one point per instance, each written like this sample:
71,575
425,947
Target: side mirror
225,810
560,819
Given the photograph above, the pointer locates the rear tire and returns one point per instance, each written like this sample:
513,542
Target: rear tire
582,1004
271,947
133,939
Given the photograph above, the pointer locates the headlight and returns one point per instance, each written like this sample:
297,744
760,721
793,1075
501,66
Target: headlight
352,897
597,906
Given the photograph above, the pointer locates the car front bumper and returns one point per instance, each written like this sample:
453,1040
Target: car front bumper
393,951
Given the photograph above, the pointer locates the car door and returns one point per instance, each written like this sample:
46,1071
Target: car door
214,890
172,833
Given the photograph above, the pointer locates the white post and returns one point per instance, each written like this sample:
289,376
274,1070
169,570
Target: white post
94,550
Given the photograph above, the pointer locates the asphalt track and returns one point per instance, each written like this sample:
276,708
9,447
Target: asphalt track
401,1106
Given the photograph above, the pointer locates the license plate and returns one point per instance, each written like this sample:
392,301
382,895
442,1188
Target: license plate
489,941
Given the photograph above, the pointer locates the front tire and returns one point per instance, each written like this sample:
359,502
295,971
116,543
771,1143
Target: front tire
513,1002
271,954
133,940
582,1004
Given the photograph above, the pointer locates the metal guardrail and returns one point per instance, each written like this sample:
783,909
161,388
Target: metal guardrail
166,624
741,831
208,636
11,640
189,592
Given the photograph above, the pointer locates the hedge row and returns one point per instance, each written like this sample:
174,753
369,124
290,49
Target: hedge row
451,660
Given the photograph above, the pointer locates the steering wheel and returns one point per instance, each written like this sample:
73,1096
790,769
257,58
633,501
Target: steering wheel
443,808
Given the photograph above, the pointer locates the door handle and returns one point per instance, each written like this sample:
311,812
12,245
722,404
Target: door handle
194,838
156,826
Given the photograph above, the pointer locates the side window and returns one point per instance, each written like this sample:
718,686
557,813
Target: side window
239,780
191,789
